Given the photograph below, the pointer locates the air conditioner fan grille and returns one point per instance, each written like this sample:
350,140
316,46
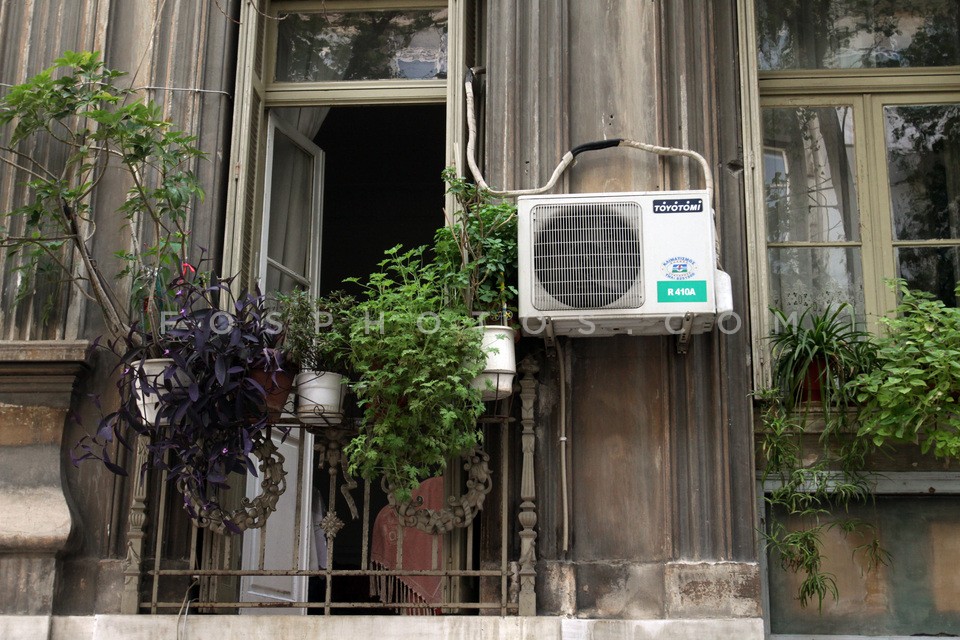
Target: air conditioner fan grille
587,256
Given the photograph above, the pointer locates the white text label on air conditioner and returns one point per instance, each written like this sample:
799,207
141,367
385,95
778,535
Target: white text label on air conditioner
684,205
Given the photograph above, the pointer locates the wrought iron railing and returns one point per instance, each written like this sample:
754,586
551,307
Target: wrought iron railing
337,544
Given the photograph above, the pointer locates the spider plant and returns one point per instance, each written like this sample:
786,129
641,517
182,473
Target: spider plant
816,354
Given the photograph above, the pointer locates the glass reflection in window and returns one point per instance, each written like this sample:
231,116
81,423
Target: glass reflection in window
857,34
362,45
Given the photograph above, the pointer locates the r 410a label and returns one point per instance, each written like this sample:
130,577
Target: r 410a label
682,205
689,291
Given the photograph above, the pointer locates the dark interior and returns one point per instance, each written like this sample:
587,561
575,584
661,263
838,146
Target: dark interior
382,185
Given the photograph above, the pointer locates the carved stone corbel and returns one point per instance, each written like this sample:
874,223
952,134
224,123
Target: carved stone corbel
36,383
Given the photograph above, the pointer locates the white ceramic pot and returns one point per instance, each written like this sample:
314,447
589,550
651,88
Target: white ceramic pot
496,381
149,403
320,397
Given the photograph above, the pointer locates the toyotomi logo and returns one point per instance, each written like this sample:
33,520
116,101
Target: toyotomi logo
687,205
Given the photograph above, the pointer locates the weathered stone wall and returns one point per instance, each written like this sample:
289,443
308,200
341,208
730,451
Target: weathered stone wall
659,444
181,54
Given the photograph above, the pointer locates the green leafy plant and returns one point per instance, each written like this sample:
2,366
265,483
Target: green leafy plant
815,494
94,127
476,253
816,354
316,331
413,358
913,394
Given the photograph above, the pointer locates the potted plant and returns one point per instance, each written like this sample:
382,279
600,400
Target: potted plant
414,358
316,338
94,126
815,355
913,393
210,410
476,254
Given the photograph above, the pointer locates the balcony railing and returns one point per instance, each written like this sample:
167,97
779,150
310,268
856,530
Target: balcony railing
336,544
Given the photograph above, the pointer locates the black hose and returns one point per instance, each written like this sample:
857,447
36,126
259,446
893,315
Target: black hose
596,146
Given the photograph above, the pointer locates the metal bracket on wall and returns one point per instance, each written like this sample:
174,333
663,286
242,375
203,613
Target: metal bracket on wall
550,338
683,338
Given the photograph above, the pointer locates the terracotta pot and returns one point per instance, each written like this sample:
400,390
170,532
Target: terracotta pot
277,386
811,390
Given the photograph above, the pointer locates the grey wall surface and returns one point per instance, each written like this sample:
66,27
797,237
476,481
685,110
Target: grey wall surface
661,459
181,52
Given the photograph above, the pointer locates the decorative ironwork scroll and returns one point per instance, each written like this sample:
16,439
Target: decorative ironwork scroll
252,513
459,512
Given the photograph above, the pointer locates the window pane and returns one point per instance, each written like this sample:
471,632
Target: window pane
276,280
291,204
818,278
933,269
853,34
362,45
914,594
923,163
810,176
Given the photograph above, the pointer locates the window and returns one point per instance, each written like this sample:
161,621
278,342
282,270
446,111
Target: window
853,108
297,61
346,112
852,135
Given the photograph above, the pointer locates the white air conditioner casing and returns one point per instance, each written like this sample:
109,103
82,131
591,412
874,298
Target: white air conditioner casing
618,263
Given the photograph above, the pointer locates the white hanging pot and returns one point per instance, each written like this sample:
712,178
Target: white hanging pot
496,381
320,397
149,403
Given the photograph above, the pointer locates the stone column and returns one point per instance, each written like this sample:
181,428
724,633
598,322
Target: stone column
36,381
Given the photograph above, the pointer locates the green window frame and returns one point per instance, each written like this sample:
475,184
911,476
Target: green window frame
867,92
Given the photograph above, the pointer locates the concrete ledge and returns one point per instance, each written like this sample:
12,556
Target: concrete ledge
40,373
196,627
36,519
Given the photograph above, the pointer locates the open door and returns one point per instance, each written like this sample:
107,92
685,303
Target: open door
289,260
285,540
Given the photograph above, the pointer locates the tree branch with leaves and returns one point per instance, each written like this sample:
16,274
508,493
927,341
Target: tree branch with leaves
68,126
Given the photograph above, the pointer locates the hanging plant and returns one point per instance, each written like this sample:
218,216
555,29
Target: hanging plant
211,411
414,357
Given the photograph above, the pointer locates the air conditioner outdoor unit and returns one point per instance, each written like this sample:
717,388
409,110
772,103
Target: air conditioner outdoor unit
612,263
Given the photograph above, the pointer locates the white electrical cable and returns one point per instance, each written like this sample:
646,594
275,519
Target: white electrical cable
565,162
569,156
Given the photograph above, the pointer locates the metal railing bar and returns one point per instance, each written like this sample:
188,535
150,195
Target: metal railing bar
306,457
158,546
476,573
504,475
338,605
365,546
